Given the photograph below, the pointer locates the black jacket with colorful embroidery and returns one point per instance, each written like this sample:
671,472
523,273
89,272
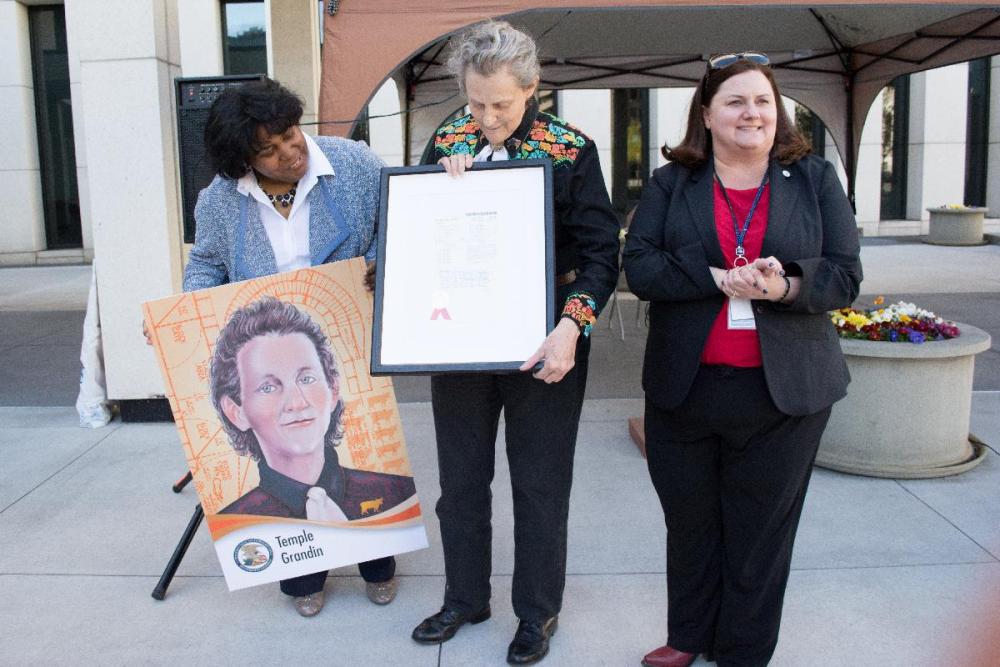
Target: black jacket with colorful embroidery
586,229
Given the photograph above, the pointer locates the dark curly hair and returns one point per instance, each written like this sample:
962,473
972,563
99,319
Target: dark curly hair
696,147
260,318
235,116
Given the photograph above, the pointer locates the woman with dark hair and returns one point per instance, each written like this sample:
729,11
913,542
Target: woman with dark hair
496,66
283,200
741,244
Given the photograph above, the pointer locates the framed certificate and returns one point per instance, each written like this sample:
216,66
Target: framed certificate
464,278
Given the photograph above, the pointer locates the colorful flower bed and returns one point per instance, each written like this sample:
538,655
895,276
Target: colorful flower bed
896,323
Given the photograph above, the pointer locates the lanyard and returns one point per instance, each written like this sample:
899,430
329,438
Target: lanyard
741,257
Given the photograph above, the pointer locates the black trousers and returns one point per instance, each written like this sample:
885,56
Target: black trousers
380,569
541,427
731,472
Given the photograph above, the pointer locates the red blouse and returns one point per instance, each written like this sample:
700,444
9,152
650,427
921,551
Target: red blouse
725,346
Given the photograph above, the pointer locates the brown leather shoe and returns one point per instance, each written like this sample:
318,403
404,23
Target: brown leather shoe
310,605
668,657
381,592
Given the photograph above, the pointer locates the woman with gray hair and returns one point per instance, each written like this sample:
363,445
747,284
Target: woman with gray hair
497,68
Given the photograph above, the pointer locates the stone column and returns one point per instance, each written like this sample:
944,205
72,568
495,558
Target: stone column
293,51
668,110
590,110
200,27
386,134
938,110
993,159
129,55
76,94
24,220
868,183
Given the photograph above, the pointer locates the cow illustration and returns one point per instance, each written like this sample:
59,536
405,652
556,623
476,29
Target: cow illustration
371,506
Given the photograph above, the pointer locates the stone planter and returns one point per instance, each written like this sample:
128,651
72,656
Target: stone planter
906,414
956,226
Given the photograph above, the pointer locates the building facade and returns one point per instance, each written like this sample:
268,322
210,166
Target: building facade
89,149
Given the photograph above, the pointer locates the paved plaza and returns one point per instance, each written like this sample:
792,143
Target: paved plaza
885,572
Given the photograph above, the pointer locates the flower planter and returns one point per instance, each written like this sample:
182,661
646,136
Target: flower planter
956,226
906,414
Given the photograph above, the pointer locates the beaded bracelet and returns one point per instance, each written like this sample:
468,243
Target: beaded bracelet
580,308
788,286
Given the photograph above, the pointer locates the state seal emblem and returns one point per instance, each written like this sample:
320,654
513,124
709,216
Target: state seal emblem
253,555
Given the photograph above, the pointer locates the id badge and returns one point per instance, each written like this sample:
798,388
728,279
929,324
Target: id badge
741,314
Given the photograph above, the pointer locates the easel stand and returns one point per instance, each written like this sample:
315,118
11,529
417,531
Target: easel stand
182,545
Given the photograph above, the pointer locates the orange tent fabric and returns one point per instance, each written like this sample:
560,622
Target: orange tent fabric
834,57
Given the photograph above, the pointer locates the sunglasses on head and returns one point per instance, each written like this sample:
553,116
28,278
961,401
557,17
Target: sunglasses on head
725,60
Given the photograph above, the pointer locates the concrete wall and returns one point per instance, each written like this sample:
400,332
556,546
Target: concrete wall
79,134
993,159
668,120
936,158
293,52
129,54
868,184
386,134
590,110
200,37
23,224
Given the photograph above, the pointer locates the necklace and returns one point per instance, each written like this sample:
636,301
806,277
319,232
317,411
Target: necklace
284,200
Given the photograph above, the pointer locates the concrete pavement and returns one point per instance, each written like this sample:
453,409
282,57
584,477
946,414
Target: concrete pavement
885,572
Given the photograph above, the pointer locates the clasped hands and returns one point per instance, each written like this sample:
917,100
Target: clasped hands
763,278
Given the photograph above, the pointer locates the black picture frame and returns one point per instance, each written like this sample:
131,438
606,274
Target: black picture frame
417,366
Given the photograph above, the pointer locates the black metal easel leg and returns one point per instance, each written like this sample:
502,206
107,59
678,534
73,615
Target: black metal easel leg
182,546
182,482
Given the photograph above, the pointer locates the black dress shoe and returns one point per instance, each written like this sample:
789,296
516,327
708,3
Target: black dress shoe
531,641
443,625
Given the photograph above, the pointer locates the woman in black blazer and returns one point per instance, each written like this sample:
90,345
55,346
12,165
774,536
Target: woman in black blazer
741,244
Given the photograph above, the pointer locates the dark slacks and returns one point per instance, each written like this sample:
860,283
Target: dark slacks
380,569
731,472
541,426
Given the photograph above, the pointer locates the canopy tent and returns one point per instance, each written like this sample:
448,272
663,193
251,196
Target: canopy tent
833,58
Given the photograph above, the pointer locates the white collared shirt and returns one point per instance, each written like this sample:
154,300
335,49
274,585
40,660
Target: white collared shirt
489,154
289,238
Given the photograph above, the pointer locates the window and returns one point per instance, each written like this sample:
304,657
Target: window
977,141
54,118
895,137
629,147
244,37
812,128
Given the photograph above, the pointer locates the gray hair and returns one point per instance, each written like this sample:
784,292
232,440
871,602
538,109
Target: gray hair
488,47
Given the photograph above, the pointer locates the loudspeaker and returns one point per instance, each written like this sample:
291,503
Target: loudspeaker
194,98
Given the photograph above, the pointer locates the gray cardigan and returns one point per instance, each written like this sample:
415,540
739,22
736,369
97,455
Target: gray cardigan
228,250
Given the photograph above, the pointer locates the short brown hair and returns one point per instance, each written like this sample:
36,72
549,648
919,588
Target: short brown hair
260,318
696,147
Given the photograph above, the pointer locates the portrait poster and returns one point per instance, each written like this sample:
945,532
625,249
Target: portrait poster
465,277
296,452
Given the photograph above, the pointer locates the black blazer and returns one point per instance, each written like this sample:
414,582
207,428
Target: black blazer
672,243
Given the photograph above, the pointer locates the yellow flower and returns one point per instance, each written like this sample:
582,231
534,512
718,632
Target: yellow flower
858,320
879,300
904,318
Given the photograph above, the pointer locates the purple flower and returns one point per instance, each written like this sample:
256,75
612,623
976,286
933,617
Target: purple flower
893,335
916,337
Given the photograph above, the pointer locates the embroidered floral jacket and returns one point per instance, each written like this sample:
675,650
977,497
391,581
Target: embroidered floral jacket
586,229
